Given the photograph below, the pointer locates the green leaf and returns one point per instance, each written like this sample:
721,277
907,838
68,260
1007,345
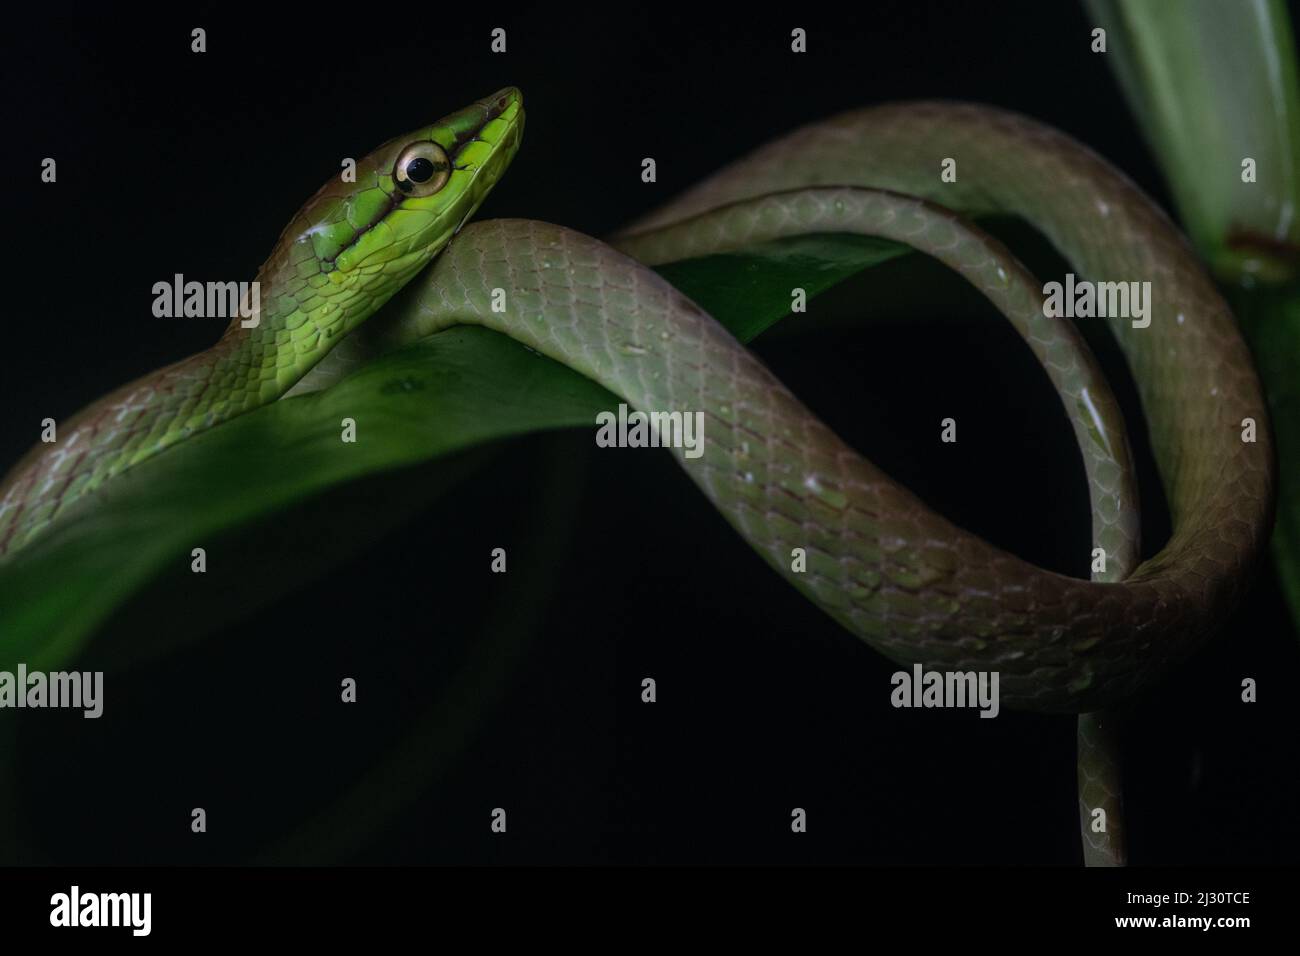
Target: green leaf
1271,318
438,399
1213,85
749,292
453,391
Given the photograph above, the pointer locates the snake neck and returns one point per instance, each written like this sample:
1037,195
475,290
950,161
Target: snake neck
300,314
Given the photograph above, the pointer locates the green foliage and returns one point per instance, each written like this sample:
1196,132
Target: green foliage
439,399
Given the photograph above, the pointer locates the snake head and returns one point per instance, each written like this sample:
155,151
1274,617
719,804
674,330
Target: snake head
409,197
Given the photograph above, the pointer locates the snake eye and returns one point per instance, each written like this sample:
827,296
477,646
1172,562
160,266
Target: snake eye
422,169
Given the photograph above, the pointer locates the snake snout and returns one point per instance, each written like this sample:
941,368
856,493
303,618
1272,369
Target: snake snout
502,100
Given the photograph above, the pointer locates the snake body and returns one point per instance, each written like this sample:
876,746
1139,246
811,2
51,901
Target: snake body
879,561
890,569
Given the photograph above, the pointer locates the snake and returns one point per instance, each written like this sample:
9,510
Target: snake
864,549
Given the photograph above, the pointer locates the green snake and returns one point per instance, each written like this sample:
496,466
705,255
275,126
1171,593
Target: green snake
878,560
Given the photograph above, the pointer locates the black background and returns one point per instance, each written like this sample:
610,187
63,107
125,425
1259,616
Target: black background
175,162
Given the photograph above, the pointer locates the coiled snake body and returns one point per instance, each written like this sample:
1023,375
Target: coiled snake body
892,571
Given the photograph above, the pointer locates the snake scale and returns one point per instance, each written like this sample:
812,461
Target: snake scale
889,569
